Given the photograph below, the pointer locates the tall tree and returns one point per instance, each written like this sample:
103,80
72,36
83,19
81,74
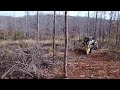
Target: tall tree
103,31
54,35
15,27
100,27
38,31
88,25
117,32
92,24
14,21
66,45
110,25
78,26
96,24
26,24
114,16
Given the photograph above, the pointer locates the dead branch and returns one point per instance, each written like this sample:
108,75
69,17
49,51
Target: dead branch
7,71
25,71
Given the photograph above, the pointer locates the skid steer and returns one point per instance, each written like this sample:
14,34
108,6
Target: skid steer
90,44
87,44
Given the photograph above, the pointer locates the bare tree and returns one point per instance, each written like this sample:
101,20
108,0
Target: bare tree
103,31
96,23
100,27
48,26
114,15
88,25
117,28
15,27
14,22
110,25
26,23
38,31
78,26
66,46
54,35
91,24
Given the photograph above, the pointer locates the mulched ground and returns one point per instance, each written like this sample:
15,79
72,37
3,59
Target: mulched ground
101,64
97,65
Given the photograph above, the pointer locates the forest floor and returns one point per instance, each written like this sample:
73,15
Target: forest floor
97,65
28,60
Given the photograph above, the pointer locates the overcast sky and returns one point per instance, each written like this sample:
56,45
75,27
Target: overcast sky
22,13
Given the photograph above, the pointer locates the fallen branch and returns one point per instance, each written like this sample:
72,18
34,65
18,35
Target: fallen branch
17,62
27,72
8,71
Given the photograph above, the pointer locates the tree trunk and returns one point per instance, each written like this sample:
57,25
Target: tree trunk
103,33
100,32
96,24
54,35
38,31
110,24
109,32
117,28
66,45
15,28
88,25
26,24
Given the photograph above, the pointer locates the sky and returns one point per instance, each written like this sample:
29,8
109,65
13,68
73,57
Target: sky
22,13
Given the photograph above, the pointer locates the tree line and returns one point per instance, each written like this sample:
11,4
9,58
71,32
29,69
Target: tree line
96,25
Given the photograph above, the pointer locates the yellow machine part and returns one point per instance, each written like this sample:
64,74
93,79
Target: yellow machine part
87,49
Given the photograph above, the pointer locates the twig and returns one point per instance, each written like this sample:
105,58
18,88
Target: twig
7,71
18,70
18,62
25,72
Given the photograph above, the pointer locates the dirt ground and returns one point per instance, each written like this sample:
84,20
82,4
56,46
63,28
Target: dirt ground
97,65
23,60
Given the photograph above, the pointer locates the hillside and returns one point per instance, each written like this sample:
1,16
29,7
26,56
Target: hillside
76,24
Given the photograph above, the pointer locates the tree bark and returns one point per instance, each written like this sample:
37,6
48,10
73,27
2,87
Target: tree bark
109,32
26,25
88,25
15,28
66,45
117,28
100,32
38,31
96,24
54,35
103,33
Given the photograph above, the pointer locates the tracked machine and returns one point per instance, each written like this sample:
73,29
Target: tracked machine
88,44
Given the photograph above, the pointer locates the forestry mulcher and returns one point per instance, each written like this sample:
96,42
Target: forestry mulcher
87,44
